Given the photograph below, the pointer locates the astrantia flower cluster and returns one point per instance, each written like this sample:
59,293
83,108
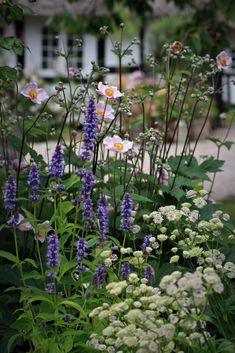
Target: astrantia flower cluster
89,131
33,183
150,319
10,194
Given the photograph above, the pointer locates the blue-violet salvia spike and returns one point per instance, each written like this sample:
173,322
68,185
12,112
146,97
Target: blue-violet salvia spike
56,167
102,215
89,131
146,243
148,274
53,253
99,275
10,194
126,208
33,183
81,249
125,270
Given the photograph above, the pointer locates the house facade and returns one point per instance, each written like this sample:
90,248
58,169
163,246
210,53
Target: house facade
42,42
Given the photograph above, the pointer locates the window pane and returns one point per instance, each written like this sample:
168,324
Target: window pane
49,44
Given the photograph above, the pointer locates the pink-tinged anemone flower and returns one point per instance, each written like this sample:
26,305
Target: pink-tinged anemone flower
72,71
104,111
15,164
42,230
116,144
223,60
37,95
110,92
18,218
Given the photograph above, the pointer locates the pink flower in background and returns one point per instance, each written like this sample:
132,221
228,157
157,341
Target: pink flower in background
15,164
109,91
116,144
42,230
104,111
37,95
223,60
72,71
164,177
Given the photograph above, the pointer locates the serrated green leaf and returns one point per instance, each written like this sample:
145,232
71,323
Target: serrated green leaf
228,144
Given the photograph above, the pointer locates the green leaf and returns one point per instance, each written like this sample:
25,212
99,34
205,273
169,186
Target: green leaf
31,262
32,275
8,73
73,305
177,193
65,266
73,179
7,255
211,165
65,207
13,44
139,198
44,297
68,344
228,144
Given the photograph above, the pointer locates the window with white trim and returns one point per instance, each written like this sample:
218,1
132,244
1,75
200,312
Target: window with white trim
75,50
49,45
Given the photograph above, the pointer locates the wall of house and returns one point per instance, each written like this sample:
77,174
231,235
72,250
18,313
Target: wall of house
33,56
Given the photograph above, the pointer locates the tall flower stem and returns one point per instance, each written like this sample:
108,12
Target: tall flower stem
25,133
37,242
17,256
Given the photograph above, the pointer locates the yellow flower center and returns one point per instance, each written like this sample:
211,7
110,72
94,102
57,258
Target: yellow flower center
109,92
119,146
223,61
99,112
33,93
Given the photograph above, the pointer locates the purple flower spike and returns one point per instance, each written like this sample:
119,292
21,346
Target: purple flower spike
81,249
85,194
87,209
33,182
148,274
89,131
146,243
56,168
126,208
99,275
10,194
125,270
102,214
53,253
